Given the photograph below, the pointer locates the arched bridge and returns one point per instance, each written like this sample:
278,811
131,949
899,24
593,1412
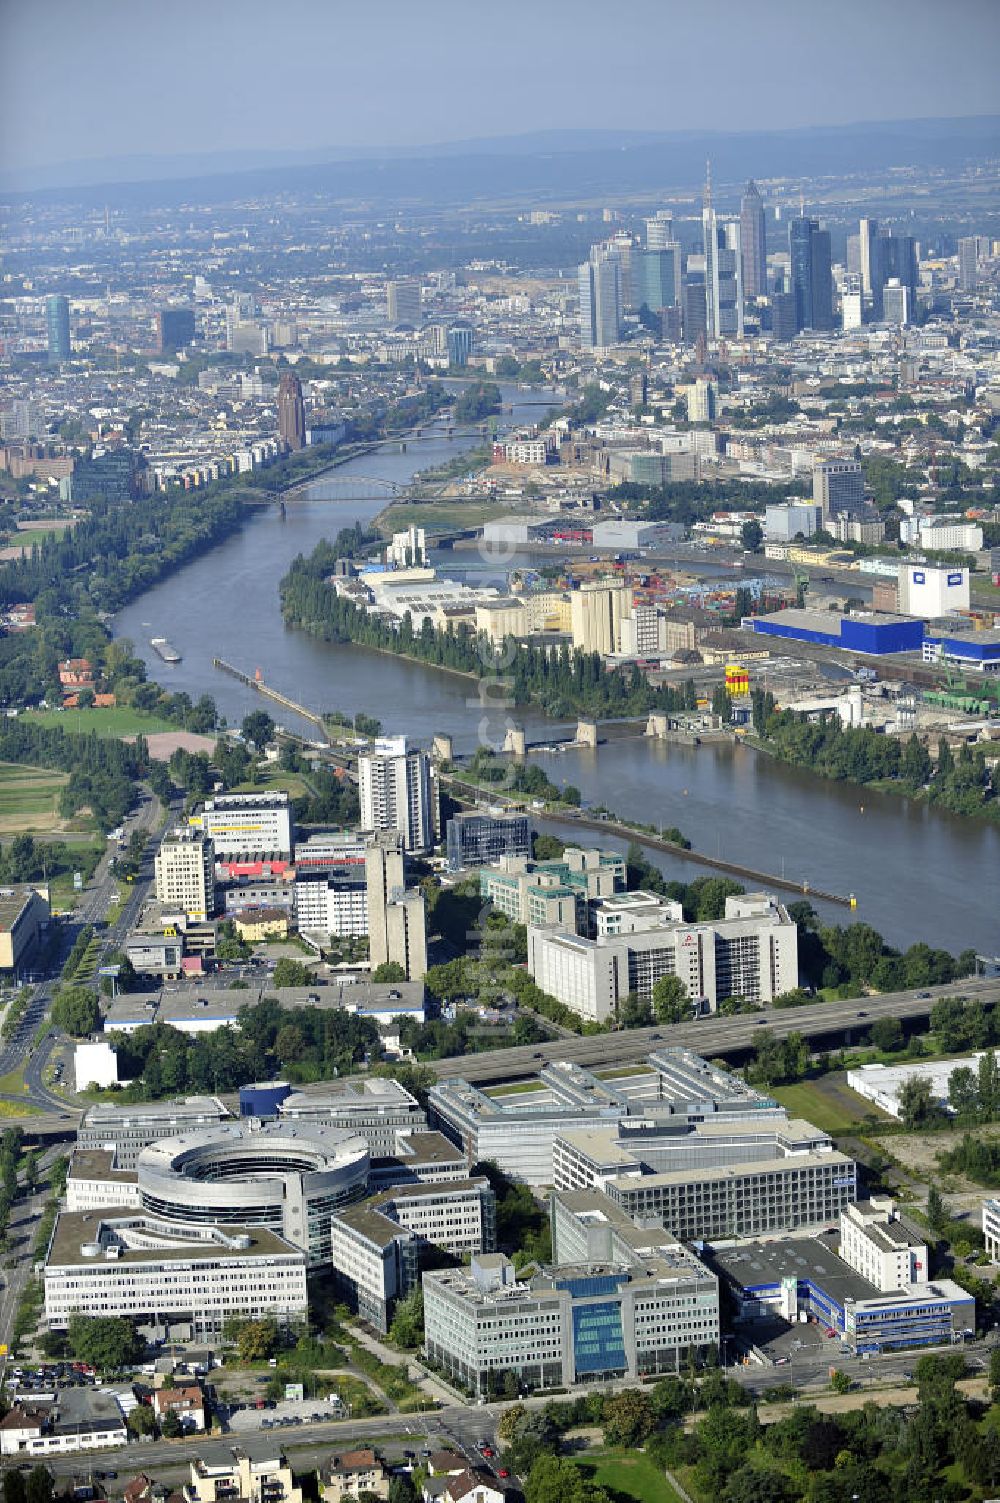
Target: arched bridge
350,487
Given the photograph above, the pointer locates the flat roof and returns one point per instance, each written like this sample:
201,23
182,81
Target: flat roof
75,1228
755,1265
13,900
371,1223
730,1171
98,1163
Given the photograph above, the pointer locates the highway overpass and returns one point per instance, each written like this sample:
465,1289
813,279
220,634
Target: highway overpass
824,1024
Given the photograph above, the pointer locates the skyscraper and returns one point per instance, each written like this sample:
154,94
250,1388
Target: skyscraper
659,277
622,247
872,270
291,411
812,278
660,230
753,242
174,329
459,343
403,300
710,237
968,265
57,323
899,260
839,487
600,299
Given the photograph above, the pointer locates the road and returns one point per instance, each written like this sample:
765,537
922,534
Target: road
713,1037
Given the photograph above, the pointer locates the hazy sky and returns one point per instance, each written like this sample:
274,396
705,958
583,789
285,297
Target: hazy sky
97,78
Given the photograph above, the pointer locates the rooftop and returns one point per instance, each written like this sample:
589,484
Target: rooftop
76,1229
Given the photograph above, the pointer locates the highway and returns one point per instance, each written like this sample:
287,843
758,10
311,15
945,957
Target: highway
715,1036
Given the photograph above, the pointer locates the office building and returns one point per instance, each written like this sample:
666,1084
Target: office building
375,1262
991,1228
802,1278
712,1182
24,917
175,330
660,230
142,1267
57,327
518,1129
380,1111
695,314
877,1243
291,411
753,242
838,486
481,839
872,267
599,284
596,614
239,823
403,302
968,267
812,277
784,316
570,1324
929,591
552,893
109,476
185,873
701,398
396,914
751,953
459,343
332,903
899,262
250,1478
125,1131
782,524
659,277
897,302
397,792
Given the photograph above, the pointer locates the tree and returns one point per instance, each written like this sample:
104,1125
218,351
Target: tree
752,535
887,1034
256,1340
170,1426
936,1213
401,1489
76,1011
671,1002
142,1420
258,729
628,1418
635,1012
407,1327
840,1382
389,970
107,1342
512,1419
14,1490
917,1106
40,1487
288,972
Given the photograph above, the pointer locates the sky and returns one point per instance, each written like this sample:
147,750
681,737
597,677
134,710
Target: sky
90,79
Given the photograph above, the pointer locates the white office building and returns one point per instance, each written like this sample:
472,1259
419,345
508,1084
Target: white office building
751,953
877,1243
397,792
240,822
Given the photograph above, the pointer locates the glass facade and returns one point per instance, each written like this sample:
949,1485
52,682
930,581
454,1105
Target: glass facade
598,1342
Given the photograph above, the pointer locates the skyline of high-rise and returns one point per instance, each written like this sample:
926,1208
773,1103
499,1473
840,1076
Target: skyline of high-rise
753,242
599,284
291,411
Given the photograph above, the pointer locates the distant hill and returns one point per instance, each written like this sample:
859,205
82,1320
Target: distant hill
538,164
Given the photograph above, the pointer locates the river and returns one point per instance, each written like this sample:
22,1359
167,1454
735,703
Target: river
918,873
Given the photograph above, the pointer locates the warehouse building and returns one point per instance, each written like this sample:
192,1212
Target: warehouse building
590,1322
138,1266
881,1084
802,1277
872,634
978,652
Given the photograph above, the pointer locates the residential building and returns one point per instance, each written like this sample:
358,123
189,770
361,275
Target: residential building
403,302
187,1403
57,326
131,1264
570,1324
405,934
291,411
397,792
240,822
481,839
750,953
250,1478
753,242
877,1243
838,486
24,917
351,1473
991,1228
185,872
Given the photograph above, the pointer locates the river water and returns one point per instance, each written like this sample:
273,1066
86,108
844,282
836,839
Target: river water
918,873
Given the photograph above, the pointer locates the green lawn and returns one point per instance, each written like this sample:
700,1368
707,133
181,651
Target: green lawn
828,1102
121,720
627,1475
436,514
29,798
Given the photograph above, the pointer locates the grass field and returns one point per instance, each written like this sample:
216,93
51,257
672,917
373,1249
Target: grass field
122,720
29,798
627,1475
828,1102
275,779
436,514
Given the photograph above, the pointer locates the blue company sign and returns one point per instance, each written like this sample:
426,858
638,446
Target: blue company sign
954,579
919,577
